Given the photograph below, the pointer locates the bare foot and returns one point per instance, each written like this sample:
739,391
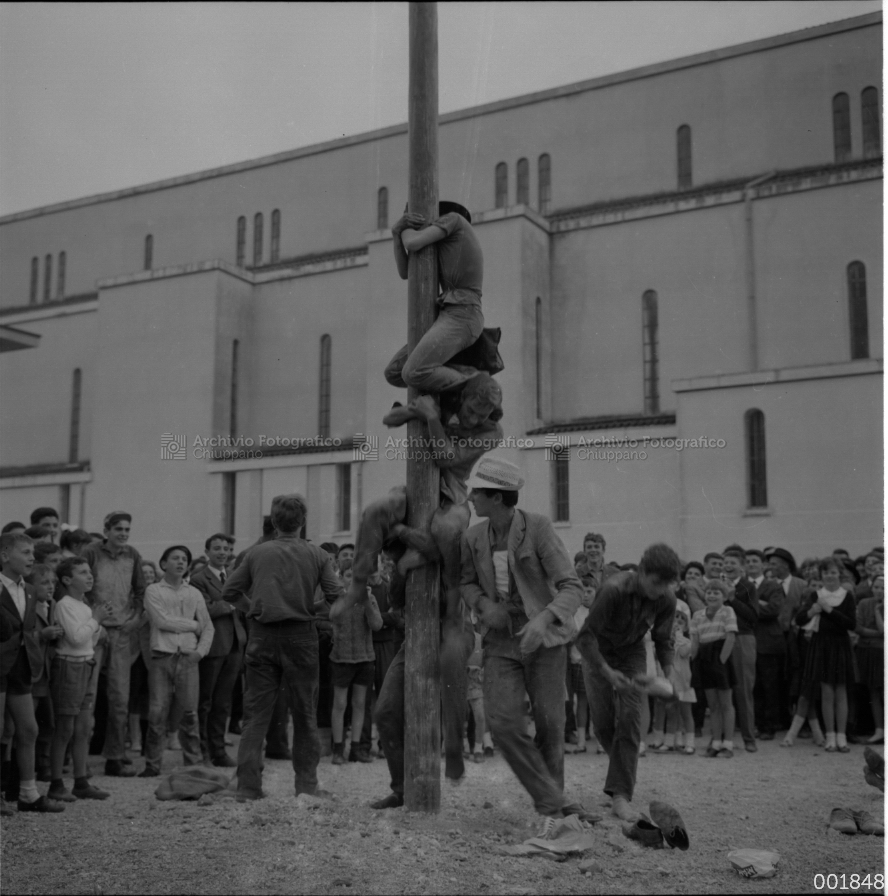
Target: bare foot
623,810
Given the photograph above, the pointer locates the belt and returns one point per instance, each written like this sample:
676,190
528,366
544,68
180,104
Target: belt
73,659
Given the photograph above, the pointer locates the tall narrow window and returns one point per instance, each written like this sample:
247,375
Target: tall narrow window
501,199
756,478
47,278
544,177
241,249
35,276
382,209
232,399
857,310
522,173
275,235
343,497
74,433
842,127
650,348
561,487
324,389
229,506
60,276
869,107
683,139
538,327
257,239
149,252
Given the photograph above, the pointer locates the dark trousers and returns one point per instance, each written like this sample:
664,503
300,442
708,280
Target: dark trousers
538,764
769,679
616,719
390,714
217,677
277,740
285,653
325,680
384,651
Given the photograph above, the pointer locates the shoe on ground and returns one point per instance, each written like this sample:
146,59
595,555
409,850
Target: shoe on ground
750,746
478,757
114,768
149,772
874,761
663,748
338,759
842,820
877,738
866,824
571,738
249,796
488,752
90,793
225,761
787,741
711,752
41,804
392,801
843,748
667,819
766,735
279,754
61,795
547,829
725,753
645,832
806,734
689,751
359,754
623,810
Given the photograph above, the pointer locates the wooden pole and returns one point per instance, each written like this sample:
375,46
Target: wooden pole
422,690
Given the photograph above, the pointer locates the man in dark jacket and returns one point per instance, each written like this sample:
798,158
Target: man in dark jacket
743,657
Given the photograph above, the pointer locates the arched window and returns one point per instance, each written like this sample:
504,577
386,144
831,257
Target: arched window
60,276
74,432
522,174
35,276
47,278
842,127
257,239
544,178
275,235
869,107
324,388
232,407
756,478
240,251
538,326
382,209
683,140
501,199
857,310
650,347
149,252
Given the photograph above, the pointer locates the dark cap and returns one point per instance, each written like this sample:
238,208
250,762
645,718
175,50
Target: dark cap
115,516
784,555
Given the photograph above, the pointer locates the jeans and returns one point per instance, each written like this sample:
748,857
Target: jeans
288,653
616,720
169,675
456,327
390,714
743,661
217,677
117,689
540,769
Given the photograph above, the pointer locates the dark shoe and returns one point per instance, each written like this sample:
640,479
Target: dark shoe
338,759
875,762
126,761
392,801
667,819
90,793
149,772
359,755
842,820
61,795
750,746
225,761
279,754
711,752
805,734
843,748
41,804
248,796
725,753
488,752
114,768
645,832
866,824
766,735
571,738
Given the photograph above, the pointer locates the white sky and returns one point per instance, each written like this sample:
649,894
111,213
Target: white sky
98,97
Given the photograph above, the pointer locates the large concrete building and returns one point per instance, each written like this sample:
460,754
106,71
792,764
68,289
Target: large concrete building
685,260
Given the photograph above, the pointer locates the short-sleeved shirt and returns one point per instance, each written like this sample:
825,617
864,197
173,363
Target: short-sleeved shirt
715,629
460,262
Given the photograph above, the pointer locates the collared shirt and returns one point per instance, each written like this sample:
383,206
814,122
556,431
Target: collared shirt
757,581
622,615
17,593
708,630
117,580
80,629
786,583
220,574
172,613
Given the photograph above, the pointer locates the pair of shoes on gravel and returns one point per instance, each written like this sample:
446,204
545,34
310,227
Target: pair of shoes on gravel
663,828
853,821
63,795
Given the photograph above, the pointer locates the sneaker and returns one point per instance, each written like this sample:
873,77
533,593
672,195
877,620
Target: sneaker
114,768
61,795
90,793
547,829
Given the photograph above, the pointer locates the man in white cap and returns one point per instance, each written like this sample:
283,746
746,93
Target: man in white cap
519,579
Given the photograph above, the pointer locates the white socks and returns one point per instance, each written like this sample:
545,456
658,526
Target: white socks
28,791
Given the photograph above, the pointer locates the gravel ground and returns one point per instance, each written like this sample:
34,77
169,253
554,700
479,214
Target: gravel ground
776,799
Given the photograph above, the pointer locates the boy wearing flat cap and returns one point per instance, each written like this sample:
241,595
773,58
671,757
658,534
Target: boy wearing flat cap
117,580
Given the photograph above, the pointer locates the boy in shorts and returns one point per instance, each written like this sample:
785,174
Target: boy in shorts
72,682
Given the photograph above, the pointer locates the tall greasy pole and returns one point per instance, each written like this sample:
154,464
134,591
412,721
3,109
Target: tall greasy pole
422,694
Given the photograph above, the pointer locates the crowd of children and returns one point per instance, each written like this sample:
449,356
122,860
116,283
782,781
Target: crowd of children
756,644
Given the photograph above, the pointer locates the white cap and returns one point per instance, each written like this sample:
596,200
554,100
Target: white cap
494,472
